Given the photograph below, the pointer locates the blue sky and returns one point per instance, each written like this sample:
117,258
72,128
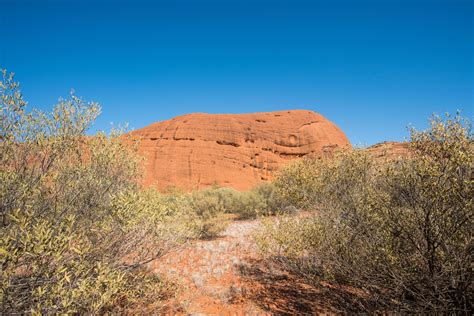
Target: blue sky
372,67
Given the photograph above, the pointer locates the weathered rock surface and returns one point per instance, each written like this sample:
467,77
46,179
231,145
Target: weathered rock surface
390,150
234,150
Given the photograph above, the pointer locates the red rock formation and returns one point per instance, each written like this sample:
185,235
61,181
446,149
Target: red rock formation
390,150
234,150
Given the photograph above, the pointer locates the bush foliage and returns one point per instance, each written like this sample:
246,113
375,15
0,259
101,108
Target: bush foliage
75,227
399,231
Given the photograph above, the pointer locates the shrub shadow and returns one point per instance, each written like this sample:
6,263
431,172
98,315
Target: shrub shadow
283,293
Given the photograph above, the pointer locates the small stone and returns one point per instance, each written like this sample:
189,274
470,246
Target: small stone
198,280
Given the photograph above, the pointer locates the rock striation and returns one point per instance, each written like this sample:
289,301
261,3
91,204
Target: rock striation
234,150
390,150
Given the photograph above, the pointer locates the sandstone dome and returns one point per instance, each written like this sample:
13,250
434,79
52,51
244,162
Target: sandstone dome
198,150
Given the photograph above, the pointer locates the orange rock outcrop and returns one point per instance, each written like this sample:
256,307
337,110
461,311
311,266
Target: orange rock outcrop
390,150
234,150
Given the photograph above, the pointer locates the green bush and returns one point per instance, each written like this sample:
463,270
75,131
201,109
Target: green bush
202,213
401,230
74,225
209,206
297,183
263,200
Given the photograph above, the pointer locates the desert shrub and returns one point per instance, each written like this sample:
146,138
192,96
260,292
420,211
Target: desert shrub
207,211
274,202
75,227
399,232
429,208
208,203
262,200
297,183
202,213
155,223
208,207
248,204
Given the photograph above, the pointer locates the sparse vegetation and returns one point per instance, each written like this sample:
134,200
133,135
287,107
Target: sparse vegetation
75,225
205,209
263,200
394,235
210,205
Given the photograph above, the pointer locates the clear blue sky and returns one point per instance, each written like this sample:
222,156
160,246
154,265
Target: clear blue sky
372,67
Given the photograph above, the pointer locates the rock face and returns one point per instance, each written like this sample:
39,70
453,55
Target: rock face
234,150
390,150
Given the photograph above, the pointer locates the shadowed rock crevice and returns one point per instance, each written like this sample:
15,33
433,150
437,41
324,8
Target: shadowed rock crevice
225,142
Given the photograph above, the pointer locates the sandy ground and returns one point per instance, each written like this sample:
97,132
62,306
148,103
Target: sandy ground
208,273
226,276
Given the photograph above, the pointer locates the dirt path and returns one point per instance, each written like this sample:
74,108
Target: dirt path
208,273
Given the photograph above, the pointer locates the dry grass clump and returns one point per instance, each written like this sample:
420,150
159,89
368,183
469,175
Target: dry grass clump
207,211
75,227
204,211
399,233
210,207
262,200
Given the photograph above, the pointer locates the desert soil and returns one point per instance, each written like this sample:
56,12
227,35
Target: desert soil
208,273
226,276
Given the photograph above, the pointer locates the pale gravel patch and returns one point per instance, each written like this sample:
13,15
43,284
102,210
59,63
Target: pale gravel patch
209,270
